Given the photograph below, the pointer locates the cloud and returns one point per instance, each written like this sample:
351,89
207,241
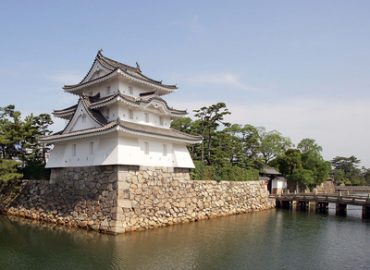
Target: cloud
340,127
66,77
191,24
221,79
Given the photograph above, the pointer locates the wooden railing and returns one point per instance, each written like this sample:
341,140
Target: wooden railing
326,198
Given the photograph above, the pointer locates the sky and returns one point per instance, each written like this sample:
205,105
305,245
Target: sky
299,67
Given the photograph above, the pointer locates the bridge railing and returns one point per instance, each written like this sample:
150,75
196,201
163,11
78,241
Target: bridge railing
326,197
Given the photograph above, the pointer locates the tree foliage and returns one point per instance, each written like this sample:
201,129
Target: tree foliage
304,166
236,152
229,151
346,171
272,144
208,120
9,170
19,140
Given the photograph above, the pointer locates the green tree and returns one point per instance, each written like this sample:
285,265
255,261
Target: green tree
251,143
312,160
290,162
208,120
19,139
302,177
308,145
272,144
346,170
9,170
366,175
304,166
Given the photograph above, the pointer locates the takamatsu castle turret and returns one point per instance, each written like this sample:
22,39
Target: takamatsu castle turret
120,119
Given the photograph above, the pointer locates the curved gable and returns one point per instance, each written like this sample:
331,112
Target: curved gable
82,119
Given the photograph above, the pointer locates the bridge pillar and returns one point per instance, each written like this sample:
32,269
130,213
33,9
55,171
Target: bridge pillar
278,204
303,205
286,204
366,211
341,209
322,207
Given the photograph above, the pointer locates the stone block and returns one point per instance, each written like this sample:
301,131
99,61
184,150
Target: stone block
124,203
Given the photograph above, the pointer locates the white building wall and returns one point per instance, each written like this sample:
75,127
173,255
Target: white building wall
115,85
85,152
156,156
182,157
124,87
140,117
278,184
121,110
105,88
119,149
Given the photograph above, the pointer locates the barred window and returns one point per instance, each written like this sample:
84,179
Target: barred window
91,148
165,149
147,117
146,148
74,150
131,114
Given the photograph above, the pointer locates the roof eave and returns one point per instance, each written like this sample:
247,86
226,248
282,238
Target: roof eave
65,137
161,90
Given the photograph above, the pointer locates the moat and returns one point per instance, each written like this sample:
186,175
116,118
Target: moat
273,239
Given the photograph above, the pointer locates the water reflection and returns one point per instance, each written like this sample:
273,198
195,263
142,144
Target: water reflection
266,240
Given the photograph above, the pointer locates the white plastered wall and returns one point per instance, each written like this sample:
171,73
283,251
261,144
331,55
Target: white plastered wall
88,152
278,184
119,149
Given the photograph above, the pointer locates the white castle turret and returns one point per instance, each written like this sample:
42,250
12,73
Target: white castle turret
120,119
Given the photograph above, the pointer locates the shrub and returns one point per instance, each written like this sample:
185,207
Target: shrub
35,170
225,172
9,170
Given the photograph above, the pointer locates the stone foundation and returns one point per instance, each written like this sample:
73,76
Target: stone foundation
116,199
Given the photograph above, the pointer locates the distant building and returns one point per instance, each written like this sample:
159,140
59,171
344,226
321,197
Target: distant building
120,119
276,183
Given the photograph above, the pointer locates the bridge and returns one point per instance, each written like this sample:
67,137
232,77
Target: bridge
321,202
350,189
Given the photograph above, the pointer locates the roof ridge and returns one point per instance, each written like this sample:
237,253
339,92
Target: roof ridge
107,59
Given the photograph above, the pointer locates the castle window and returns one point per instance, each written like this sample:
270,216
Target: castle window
74,150
131,90
108,90
107,113
165,149
91,148
161,120
146,148
83,118
147,117
131,114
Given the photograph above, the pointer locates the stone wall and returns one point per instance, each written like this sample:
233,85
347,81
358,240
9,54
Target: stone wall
118,198
77,197
325,187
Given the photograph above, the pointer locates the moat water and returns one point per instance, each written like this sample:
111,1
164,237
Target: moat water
274,239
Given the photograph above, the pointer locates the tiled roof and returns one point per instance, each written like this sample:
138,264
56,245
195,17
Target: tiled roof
136,101
65,113
97,101
269,170
113,65
166,132
127,127
95,114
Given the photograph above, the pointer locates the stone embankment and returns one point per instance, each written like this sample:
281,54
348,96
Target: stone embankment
116,199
